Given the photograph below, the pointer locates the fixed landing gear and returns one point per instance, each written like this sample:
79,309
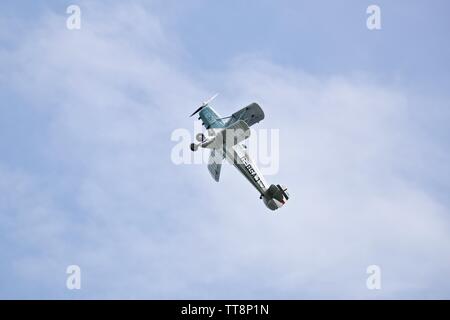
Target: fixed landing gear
203,141
200,137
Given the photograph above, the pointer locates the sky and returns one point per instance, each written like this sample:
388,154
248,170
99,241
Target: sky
87,178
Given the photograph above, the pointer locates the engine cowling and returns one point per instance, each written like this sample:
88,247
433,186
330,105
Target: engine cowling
275,197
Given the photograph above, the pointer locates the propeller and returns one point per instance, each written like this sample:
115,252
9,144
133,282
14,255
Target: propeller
205,103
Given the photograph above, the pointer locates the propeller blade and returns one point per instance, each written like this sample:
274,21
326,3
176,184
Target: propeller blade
204,104
210,99
200,108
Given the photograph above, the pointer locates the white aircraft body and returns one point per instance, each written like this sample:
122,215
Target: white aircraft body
225,139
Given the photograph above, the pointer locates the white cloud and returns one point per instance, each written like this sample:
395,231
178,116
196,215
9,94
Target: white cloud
141,227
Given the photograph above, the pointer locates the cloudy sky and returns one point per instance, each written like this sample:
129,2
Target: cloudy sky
87,179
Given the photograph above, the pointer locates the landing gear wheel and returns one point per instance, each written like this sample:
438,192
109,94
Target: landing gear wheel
200,137
194,147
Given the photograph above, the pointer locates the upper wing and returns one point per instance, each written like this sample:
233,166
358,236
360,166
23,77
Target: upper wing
251,114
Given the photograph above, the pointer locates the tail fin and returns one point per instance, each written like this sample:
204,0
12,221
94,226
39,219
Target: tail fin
275,197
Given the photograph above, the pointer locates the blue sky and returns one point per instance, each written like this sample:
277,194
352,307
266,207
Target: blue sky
86,176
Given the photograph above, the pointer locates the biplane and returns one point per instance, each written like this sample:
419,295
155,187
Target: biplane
225,138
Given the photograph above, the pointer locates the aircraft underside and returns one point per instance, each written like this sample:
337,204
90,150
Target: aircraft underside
225,141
